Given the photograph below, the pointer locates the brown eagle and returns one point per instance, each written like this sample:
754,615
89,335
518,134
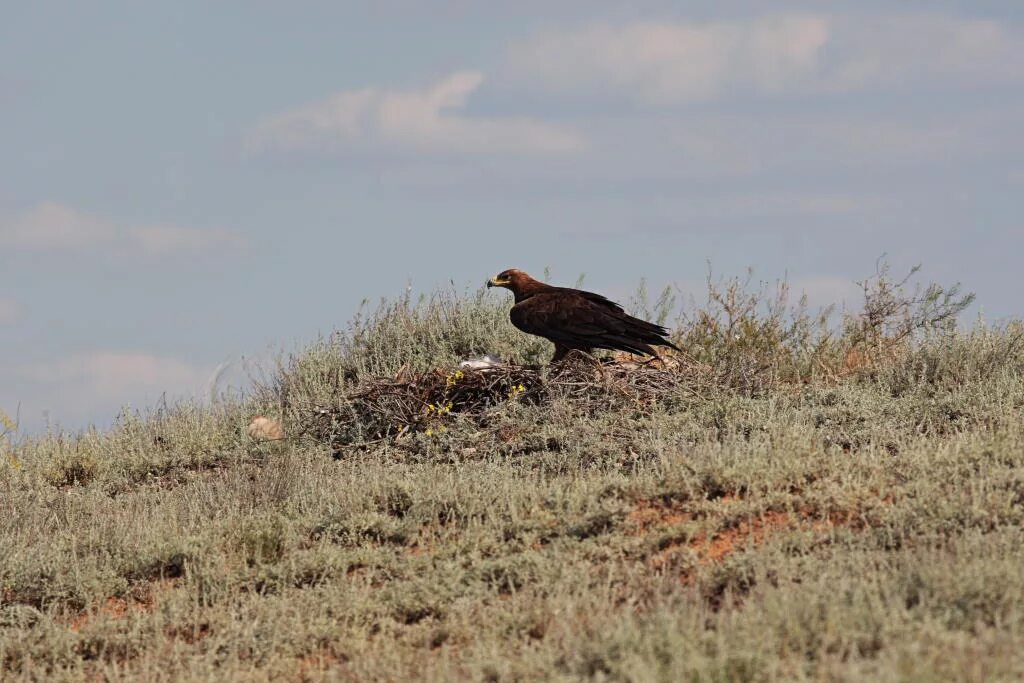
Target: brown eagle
576,320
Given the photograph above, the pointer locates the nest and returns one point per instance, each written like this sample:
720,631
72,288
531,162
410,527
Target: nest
384,409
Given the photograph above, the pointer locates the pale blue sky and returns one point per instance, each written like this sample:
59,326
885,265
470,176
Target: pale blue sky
187,184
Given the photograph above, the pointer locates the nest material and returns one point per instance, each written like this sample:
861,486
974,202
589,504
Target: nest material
391,408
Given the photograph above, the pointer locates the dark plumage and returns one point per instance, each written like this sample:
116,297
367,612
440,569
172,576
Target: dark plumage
576,320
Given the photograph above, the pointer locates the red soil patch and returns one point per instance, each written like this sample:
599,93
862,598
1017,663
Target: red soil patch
648,515
717,546
729,541
119,607
113,608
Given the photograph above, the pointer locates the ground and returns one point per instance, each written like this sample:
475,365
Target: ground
858,522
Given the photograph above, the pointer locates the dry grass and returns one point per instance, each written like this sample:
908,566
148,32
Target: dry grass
787,501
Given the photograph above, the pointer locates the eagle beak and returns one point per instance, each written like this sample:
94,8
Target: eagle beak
495,282
490,283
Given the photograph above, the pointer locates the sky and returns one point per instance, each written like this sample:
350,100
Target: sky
192,185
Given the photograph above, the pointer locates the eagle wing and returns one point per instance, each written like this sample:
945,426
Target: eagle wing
579,319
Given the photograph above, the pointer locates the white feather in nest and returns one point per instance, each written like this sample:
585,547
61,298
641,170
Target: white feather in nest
483,362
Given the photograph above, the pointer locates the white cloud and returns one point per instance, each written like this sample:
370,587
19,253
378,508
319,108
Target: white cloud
687,62
426,120
922,49
109,376
675,62
56,227
77,389
161,239
747,143
10,311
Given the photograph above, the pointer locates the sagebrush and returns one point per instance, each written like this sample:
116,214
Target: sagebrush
801,495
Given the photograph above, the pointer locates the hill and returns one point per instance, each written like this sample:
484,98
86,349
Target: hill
798,496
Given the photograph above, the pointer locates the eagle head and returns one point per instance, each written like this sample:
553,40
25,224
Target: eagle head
519,283
508,278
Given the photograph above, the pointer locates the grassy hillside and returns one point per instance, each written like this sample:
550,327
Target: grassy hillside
797,497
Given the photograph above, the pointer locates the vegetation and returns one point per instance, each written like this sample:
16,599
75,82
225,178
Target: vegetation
799,496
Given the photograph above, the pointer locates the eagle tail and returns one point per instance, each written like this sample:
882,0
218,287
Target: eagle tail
649,334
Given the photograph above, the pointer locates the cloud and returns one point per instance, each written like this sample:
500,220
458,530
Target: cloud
77,389
665,62
426,120
56,227
751,143
919,49
10,311
109,376
161,239
672,63
843,141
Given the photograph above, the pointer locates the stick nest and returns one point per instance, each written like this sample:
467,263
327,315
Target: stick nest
390,408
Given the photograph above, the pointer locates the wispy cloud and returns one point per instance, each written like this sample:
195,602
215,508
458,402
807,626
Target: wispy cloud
56,227
921,50
423,120
111,376
675,61
745,143
671,63
10,311
161,239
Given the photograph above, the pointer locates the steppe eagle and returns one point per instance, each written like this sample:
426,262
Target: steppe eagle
573,319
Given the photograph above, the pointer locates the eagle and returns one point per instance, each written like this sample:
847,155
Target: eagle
576,320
